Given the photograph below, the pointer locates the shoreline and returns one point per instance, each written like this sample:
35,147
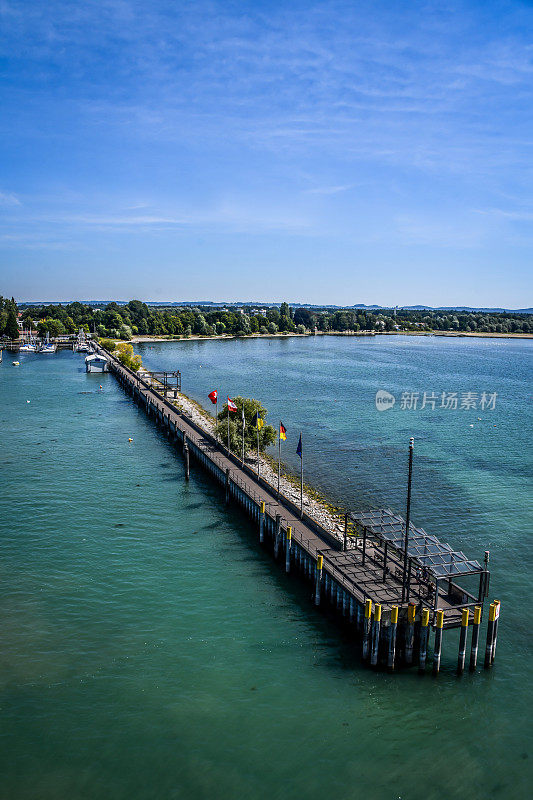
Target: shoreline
226,336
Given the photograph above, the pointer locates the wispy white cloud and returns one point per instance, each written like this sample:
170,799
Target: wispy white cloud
9,200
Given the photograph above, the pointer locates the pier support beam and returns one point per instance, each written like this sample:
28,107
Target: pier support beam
376,629
318,579
392,638
277,534
495,639
410,633
262,522
462,641
366,629
227,486
186,456
424,635
288,542
475,638
438,642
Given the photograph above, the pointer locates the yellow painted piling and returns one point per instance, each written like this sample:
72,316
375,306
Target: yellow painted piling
424,635
462,641
410,633
475,638
376,629
490,635
288,537
438,642
392,638
318,580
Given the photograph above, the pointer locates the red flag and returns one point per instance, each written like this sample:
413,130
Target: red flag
231,405
213,396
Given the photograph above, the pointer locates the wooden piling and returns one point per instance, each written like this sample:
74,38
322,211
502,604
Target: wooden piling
495,635
438,642
262,522
424,635
288,538
392,638
410,633
227,486
318,579
366,629
376,628
462,641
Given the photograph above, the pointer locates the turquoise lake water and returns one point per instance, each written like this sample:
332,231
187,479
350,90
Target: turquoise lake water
150,649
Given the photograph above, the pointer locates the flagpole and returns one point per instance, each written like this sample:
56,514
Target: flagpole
258,446
216,420
279,453
301,480
228,426
243,436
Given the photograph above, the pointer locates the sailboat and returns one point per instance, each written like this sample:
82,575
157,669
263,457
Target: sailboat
47,346
30,346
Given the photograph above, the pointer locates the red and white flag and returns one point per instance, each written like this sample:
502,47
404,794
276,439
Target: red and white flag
231,405
213,396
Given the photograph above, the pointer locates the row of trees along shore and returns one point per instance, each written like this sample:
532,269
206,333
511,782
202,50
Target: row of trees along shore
122,321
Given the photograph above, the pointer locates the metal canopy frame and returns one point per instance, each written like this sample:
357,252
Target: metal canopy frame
441,560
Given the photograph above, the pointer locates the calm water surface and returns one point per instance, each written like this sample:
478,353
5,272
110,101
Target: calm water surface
150,649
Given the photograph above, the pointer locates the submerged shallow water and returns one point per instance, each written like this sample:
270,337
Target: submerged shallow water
150,649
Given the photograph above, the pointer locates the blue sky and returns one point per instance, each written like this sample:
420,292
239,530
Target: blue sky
336,152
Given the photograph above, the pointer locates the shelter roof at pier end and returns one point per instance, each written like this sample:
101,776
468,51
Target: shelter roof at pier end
439,558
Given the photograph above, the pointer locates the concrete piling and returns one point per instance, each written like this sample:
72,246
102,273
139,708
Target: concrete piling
410,633
318,580
475,638
366,629
277,535
391,657
262,522
438,642
288,538
376,628
490,635
462,641
186,454
424,636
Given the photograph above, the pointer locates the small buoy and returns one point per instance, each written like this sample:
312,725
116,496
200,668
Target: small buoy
130,440
479,419
28,401
100,386
471,426
16,363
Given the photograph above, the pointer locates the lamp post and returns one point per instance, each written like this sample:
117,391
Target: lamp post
407,518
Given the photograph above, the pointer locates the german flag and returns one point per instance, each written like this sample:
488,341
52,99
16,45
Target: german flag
282,431
257,422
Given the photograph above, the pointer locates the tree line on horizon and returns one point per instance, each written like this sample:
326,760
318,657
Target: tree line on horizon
137,318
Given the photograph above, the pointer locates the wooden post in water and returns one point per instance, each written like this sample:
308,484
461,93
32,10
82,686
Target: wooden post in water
392,638
366,629
277,534
462,641
262,522
288,538
475,638
438,642
376,628
490,635
424,635
318,580
227,486
410,633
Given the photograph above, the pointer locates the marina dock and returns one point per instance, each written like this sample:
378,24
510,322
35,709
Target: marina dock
390,599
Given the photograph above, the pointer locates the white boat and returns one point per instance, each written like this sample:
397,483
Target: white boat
29,347
47,347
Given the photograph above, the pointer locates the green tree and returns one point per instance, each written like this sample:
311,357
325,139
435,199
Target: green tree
267,434
12,329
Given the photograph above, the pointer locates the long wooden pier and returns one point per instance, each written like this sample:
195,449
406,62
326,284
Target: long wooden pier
365,583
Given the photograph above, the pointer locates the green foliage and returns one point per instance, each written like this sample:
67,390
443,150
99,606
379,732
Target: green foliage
52,327
267,434
127,357
11,327
109,344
